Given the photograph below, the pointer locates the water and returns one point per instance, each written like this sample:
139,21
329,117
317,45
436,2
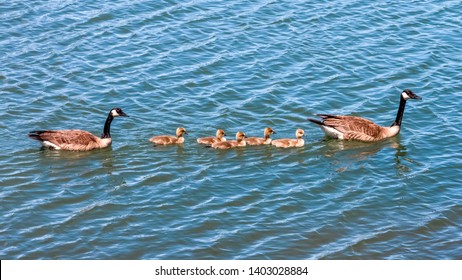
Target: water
236,65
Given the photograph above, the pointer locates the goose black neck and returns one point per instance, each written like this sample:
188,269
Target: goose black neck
107,126
399,115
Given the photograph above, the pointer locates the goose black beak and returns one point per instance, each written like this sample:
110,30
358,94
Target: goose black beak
412,95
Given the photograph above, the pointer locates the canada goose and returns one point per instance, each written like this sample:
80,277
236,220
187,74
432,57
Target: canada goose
77,140
266,140
357,128
220,136
239,142
287,143
168,139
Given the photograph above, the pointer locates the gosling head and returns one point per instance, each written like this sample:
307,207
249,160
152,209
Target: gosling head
269,131
220,133
180,132
240,136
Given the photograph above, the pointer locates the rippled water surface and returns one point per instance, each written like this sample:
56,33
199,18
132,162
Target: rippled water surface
236,65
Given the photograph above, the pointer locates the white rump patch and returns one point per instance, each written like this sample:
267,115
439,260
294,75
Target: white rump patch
51,145
332,132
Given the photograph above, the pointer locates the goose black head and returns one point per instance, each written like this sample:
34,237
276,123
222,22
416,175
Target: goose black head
117,112
408,94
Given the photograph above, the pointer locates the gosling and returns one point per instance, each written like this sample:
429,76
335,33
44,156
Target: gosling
170,139
239,142
220,137
287,143
266,140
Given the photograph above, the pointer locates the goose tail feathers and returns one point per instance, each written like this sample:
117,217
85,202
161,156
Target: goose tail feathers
318,122
36,134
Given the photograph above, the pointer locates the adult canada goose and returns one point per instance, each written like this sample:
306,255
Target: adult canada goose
168,139
357,128
266,140
239,142
287,143
220,136
77,140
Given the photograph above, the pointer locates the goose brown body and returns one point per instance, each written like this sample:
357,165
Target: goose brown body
170,139
75,139
266,140
219,137
72,140
357,128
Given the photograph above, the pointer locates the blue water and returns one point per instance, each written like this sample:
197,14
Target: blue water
240,66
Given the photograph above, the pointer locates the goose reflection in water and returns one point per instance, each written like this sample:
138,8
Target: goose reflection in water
348,153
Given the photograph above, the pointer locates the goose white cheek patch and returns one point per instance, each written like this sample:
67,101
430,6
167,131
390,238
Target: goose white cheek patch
405,96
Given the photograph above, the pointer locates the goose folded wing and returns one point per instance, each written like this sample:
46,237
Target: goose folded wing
354,126
71,139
